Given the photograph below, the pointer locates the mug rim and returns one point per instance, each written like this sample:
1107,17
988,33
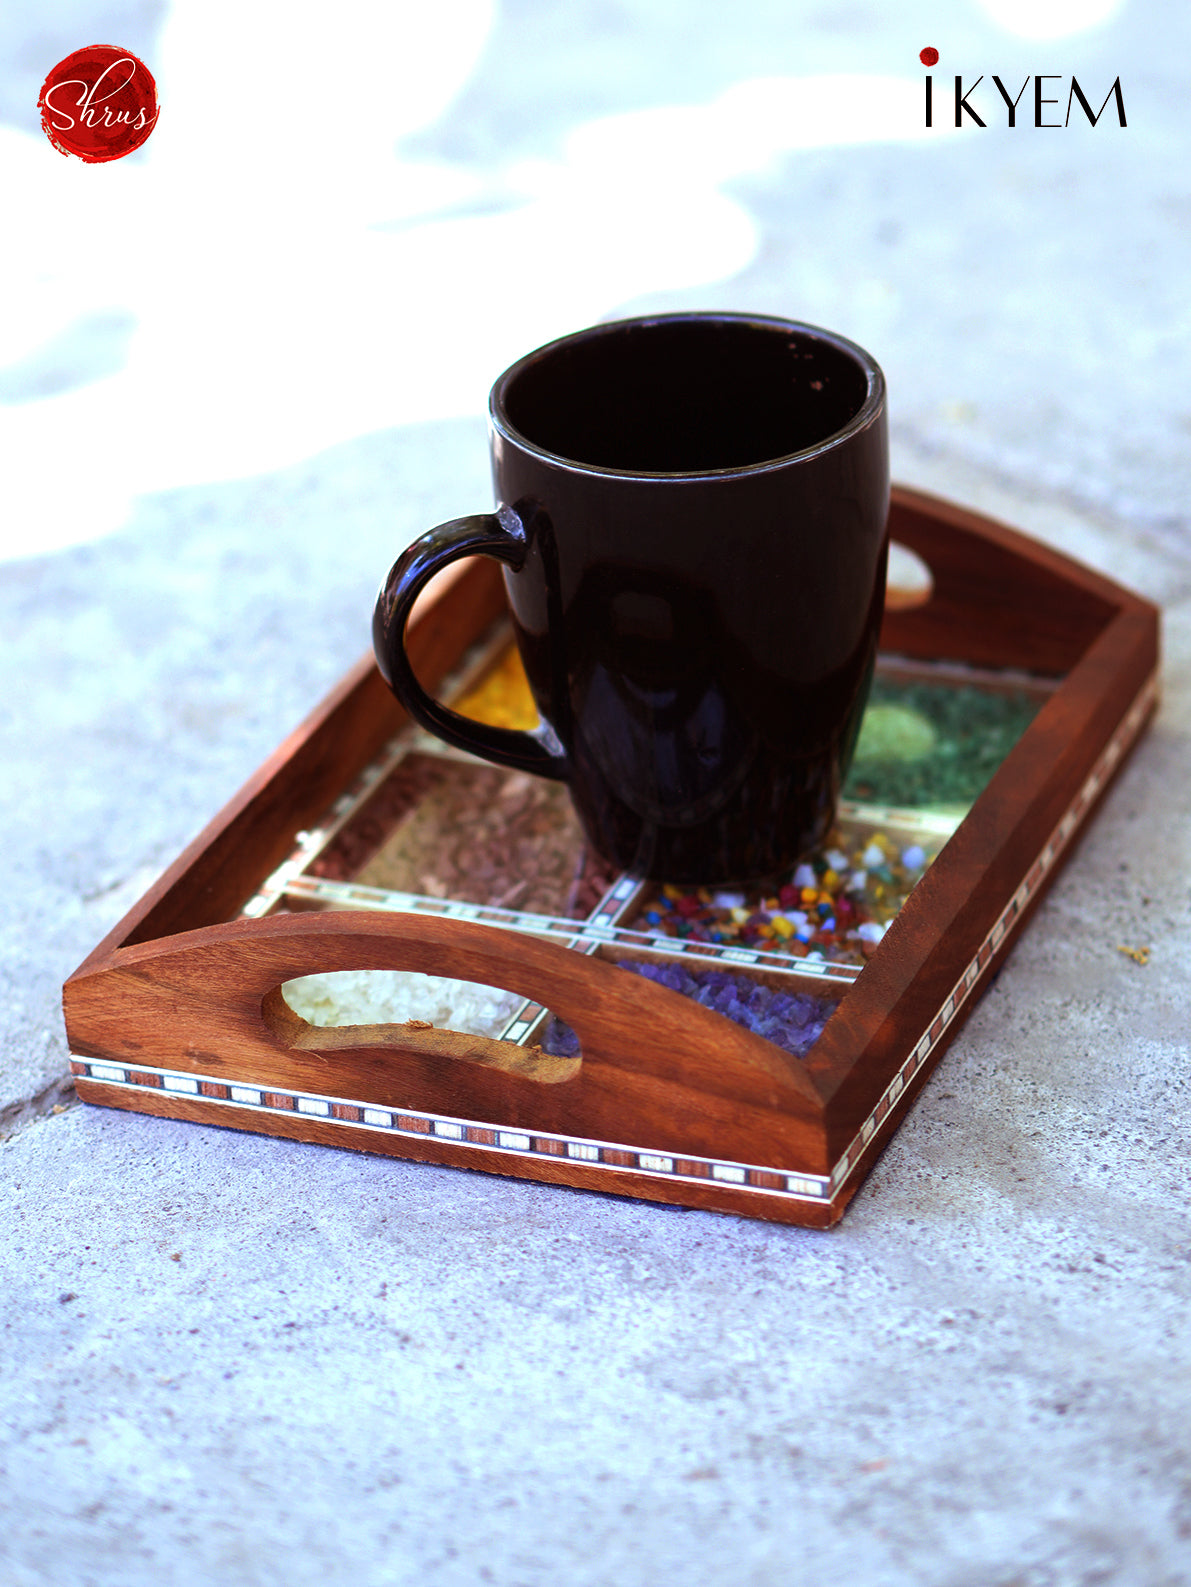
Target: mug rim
869,410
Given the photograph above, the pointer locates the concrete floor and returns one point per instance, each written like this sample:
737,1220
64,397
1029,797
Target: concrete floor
237,1360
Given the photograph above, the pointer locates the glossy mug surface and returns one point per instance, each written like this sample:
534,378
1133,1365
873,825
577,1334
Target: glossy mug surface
693,522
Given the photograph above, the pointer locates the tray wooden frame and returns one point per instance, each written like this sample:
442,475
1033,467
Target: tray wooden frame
178,1010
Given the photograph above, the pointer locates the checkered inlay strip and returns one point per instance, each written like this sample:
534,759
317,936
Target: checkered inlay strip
457,1132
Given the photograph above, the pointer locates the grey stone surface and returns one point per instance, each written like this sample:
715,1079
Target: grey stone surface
231,1359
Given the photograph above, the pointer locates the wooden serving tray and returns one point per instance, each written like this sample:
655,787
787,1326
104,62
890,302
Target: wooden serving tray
179,1011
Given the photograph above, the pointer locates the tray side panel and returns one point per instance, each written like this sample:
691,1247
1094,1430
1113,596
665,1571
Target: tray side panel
960,922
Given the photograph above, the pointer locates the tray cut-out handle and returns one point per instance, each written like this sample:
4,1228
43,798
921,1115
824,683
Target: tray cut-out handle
432,1041
910,582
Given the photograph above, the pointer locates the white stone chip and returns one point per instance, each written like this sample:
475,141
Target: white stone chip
384,997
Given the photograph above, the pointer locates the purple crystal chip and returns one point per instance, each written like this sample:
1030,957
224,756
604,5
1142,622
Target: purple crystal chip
791,1020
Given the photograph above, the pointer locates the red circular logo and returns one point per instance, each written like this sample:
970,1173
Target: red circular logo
99,103
929,56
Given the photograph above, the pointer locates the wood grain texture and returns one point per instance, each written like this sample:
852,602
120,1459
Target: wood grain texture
179,985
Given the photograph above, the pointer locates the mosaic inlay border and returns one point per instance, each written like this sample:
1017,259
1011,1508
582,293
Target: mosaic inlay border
456,1132
747,1177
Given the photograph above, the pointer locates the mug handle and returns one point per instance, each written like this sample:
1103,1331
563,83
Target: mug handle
501,535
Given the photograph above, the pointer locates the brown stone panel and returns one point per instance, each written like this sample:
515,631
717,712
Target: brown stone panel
344,1110
406,1121
211,1088
277,1099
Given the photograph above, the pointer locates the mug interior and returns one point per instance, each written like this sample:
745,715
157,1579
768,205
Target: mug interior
688,395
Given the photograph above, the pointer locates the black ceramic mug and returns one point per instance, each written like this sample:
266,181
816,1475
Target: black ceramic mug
693,526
